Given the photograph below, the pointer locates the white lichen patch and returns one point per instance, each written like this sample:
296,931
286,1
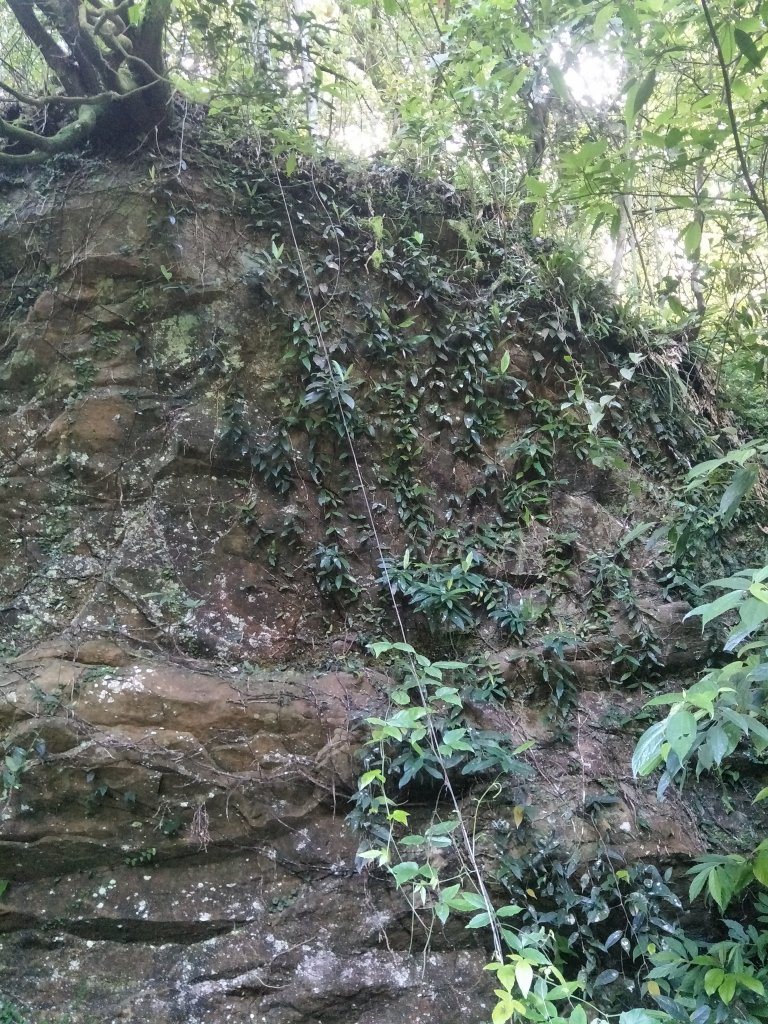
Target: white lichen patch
110,686
317,968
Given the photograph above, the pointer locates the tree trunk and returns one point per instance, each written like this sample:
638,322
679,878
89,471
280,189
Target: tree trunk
111,76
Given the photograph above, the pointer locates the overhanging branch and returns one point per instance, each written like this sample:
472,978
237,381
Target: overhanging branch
112,14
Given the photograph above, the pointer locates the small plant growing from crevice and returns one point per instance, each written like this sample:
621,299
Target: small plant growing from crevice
141,858
333,574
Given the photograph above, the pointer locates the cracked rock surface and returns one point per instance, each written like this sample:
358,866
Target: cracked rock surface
187,696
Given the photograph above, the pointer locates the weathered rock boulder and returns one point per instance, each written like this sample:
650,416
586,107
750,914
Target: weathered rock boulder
179,850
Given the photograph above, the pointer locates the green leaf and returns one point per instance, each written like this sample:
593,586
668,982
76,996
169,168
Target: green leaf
479,920
368,777
450,891
379,648
716,889
505,974
376,854
719,743
504,1010
727,989
746,45
692,238
644,93
558,82
748,982
698,883
724,603
704,696
681,732
703,469
613,938
647,754
666,698
752,614
524,976
443,828
511,911
638,531
748,725
727,877
760,867
136,12
606,977
473,901
637,1017
602,18
725,36
504,364
536,187
713,979
450,695
743,481
404,872
522,42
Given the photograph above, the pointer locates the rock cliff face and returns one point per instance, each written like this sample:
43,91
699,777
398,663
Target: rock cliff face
190,570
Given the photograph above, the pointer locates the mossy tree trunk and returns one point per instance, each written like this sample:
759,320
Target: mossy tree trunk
107,60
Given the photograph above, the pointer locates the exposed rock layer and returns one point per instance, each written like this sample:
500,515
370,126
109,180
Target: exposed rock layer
177,846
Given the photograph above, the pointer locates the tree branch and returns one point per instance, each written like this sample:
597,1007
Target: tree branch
155,76
60,100
65,140
23,159
64,16
90,45
54,56
149,38
758,200
73,101
112,14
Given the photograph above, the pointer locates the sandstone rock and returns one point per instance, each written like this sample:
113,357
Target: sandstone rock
184,678
101,652
98,424
43,307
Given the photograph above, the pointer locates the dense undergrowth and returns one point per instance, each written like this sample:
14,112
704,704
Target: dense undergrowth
619,932
618,935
